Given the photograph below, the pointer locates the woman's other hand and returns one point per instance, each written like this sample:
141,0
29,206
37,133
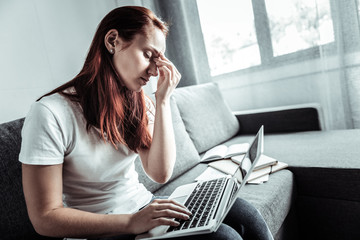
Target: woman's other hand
159,212
169,78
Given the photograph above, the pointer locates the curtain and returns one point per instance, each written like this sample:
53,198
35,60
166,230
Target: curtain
340,88
185,45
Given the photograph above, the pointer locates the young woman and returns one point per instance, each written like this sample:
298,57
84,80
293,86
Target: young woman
81,139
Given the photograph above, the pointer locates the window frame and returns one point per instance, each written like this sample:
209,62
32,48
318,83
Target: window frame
264,41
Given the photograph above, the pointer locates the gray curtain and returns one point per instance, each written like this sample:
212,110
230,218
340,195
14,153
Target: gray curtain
185,45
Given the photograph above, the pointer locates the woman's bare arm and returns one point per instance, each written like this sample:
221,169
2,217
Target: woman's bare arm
159,160
43,194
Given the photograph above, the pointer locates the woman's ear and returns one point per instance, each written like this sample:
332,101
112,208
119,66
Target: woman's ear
112,40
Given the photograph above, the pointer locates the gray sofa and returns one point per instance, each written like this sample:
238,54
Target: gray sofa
317,197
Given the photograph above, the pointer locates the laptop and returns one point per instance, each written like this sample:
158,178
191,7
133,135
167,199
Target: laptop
211,200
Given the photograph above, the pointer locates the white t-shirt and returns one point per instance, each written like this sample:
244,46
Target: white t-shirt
96,177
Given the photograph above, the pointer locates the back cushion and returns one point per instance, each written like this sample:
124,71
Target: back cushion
15,223
186,154
207,118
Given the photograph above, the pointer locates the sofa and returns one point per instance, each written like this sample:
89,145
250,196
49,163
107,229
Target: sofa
316,197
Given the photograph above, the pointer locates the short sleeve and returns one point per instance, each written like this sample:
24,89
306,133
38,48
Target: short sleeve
42,138
150,110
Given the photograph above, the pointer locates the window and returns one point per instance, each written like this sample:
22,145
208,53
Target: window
229,35
299,24
248,33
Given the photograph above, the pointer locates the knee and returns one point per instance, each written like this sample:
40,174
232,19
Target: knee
226,232
245,208
248,221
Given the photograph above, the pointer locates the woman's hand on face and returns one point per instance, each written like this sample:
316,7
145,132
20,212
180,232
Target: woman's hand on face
169,78
159,212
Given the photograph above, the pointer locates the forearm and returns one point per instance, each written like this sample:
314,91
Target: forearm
68,222
162,153
159,160
42,185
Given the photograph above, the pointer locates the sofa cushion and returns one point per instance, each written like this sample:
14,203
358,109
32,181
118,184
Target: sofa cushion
186,154
207,118
15,223
335,149
326,167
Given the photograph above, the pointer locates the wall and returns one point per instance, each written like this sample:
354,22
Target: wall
43,44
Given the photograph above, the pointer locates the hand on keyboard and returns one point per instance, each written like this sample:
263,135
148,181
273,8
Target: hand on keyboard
202,203
159,212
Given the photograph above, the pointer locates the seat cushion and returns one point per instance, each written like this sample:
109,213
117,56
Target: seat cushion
207,118
335,149
326,167
186,154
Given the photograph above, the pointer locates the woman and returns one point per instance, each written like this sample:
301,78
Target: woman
81,139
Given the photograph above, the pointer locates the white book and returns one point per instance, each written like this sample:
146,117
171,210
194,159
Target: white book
264,161
222,151
229,167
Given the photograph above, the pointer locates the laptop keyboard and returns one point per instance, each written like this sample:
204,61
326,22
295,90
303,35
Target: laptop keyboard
202,202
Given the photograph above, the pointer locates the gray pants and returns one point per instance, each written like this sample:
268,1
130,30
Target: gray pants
242,222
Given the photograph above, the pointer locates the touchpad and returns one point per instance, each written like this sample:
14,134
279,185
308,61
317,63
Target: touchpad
181,193
180,199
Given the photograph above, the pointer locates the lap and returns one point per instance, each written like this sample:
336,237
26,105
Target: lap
224,232
243,221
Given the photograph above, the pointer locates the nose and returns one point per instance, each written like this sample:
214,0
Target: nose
152,70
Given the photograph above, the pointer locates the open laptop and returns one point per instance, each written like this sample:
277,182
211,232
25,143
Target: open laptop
210,201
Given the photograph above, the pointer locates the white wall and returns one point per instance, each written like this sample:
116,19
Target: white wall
43,44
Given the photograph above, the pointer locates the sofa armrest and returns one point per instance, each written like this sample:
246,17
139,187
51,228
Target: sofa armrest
294,118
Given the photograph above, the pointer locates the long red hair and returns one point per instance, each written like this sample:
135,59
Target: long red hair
107,104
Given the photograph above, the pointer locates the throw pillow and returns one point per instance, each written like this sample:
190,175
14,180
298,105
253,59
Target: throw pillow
207,118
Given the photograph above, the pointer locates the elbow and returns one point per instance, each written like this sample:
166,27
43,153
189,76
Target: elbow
42,226
45,231
160,173
162,178
41,229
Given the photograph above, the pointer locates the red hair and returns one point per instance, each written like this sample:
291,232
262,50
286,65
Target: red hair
107,104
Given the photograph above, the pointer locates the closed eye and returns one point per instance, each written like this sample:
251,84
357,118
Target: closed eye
147,55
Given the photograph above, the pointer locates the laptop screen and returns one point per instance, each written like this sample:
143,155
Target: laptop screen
246,167
251,156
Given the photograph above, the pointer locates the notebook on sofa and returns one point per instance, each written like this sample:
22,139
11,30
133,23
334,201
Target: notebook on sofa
209,201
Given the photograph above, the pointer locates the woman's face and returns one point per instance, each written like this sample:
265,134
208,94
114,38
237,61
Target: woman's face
135,63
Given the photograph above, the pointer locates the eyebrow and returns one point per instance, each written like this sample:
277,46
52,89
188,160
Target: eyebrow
157,52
